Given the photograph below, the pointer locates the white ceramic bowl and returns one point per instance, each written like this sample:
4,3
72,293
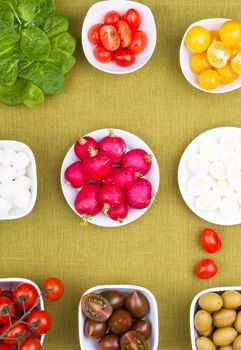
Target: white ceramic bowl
132,141
184,174
152,316
195,307
31,172
12,283
96,14
185,55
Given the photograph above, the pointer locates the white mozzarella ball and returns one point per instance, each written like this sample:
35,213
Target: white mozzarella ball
222,188
234,179
24,182
229,206
20,172
7,174
7,156
198,165
210,149
199,184
208,201
21,160
5,206
229,142
8,190
22,198
218,170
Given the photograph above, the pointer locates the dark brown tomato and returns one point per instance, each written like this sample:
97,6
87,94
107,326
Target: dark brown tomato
115,298
137,304
143,327
96,307
133,341
109,342
95,329
120,322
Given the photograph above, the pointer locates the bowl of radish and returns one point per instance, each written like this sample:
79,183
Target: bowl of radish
110,177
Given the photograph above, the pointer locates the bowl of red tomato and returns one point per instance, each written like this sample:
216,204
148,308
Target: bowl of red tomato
119,36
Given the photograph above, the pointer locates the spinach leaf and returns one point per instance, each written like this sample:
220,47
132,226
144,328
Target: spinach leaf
45,8
15,94
12,5
9,44
8,71
64,41
35,96
26,9
63,59
6,19
45,75
35,44
56,24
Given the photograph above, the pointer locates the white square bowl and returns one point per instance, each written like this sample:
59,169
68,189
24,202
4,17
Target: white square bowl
12,283
195,307
31,172
152,316
96,14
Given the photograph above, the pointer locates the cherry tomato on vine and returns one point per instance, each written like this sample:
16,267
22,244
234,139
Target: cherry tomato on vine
103,55
54,288
18,330
31,344
206,269
112,17
94,34
4,347
139,42
125,33
124,58
39,321
210,240
4,304
133,18
109,37
25,296
1,292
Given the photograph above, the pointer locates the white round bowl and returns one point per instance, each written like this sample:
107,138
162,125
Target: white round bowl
186,54
153,176
195,307
12,283
152,316
31,172
96,14
184,174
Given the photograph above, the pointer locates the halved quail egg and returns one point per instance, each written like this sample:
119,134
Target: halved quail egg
198,165
210,149
229,206
208,201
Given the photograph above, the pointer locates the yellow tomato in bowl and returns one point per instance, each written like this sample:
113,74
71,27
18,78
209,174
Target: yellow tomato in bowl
197,39
209,79
230,33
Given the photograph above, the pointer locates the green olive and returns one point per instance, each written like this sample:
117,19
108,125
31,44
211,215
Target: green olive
208,332
224,336
203,321
204,343
211,302
224,318
228,347
237,343
231,299
237,323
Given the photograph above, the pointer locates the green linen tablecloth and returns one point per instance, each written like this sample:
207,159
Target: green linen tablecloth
160,250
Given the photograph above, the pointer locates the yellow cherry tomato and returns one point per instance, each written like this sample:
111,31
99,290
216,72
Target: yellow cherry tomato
236,63
235,50
209,79
198,39
230,33
199,62
214,34
218,54
227,75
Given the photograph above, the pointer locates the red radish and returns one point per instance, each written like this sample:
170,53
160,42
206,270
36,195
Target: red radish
87,202
110,179
97,166
75,176
113,146
110,196
138,160
118,213
139,196
124,178
82,146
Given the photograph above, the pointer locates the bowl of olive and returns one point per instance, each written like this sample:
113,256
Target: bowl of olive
118,317
215,319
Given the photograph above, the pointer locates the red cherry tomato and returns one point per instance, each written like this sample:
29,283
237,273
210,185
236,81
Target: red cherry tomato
14,333
112,17
94,34
25,295
31,344
54,288
6,303
206,269
1,292
124,58
109,37
139,42
133,18
4,347
125,33
40,322
210,240
103,55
